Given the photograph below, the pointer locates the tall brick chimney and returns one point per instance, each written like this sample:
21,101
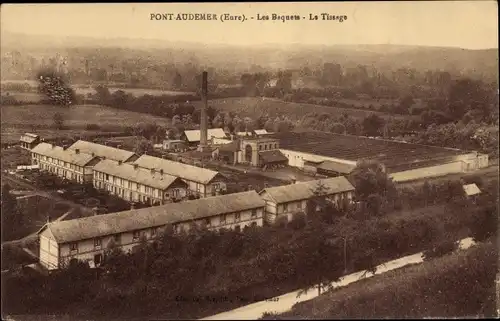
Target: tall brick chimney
203,115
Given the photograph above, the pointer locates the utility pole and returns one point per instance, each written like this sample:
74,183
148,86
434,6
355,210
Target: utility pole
345,254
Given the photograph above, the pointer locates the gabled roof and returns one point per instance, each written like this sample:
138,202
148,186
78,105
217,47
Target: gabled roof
102,151
195,134
137,219
66,155
305,190
138,175
184,171
272,156
336,167
244,134
261,132
29,138
471,189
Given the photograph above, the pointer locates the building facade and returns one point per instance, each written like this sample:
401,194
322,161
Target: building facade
29,141
201,182
87,239
285,201
192,137
65,163
135,184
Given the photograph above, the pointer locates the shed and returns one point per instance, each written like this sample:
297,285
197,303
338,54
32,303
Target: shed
28,141
471,190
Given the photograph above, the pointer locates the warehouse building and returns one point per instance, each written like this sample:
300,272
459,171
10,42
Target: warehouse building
192,137
286,200
201,182
86,239
135,184
104,152
336,154
71,164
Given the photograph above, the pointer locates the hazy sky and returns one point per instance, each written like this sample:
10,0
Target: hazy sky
466,24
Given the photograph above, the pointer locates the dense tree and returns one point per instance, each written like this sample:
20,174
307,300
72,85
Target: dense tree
372,125
58,121
55,86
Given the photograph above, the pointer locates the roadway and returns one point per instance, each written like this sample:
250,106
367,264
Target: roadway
285,302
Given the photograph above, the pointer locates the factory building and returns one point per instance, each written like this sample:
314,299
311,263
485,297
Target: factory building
334,154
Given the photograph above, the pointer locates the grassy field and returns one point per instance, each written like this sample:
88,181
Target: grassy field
456,285
34,212
134,91
16,120
26,97
256,106
14,156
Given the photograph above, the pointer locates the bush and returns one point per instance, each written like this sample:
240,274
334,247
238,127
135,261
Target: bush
298,221
281,221
441,249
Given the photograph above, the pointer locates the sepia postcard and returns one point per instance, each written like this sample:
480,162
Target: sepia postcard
250,160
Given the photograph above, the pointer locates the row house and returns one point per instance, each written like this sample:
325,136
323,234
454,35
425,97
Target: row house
286,200
201,182
65,163
104,152
135,184
86,239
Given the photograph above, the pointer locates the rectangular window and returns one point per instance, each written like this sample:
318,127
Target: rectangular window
285,207
73,247
254,213
129,185
237,216
117,238
107,177
154,231
97,243
136,235
223,219
207,222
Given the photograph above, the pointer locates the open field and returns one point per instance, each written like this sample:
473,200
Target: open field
26,97
40,118
14,156
34,211
256,106
134,91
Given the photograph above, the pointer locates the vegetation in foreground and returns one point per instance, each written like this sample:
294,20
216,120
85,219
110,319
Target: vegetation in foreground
191,276
455,285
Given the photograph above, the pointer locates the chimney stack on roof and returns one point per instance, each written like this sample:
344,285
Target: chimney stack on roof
77,151
119,162
136,166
